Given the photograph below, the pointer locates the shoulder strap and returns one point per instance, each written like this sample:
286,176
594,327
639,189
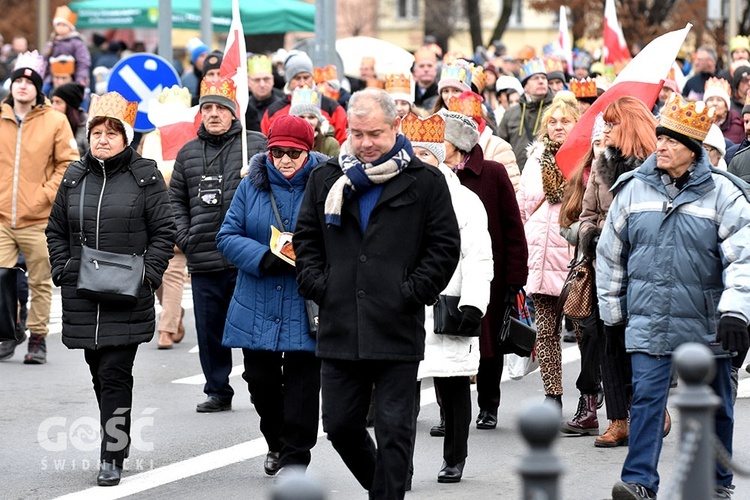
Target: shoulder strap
82,236
276,210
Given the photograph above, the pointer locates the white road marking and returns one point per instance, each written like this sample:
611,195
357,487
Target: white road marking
201,379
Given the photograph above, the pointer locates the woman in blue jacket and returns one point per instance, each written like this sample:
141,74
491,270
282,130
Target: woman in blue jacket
267,317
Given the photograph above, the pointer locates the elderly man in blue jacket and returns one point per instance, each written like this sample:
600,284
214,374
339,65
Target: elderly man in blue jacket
673,266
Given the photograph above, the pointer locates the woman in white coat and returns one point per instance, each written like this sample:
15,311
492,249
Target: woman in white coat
453,359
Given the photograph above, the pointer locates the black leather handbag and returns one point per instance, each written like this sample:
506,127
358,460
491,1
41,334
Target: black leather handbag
9,303
108,276
518,337
447,317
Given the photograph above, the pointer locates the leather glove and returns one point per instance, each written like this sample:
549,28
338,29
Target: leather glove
471,321
587,242
614,338
511,293
273,265
733,334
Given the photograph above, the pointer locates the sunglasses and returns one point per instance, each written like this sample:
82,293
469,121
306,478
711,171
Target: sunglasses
291,153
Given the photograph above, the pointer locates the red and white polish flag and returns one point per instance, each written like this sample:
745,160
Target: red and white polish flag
615,48
563,38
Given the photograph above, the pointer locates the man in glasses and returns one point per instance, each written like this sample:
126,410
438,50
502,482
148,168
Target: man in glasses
206,175
262,91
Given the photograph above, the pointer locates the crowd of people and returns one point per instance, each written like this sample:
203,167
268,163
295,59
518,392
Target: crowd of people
370,209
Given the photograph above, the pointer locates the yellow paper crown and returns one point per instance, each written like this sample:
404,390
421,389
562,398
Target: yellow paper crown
739,42
113,105
478,78
62,65
714,83
583,88
398,84
692,119
324,74
64,14
467,104
175,94
430,129
224,87
259,63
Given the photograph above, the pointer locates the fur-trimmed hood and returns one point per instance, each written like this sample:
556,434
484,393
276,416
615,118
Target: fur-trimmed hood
258,172
611,164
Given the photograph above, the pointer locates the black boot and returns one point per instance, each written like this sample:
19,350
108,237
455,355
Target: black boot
109,474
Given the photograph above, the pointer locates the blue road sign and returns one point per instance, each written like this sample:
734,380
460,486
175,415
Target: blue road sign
139,78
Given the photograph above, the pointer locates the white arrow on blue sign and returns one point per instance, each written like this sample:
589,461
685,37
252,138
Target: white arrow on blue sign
139,78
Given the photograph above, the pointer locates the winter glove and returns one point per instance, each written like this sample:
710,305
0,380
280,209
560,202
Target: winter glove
272,265
471,321
511,295
614,338
587,242
733,334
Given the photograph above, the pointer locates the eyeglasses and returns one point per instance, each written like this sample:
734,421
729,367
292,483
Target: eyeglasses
710,149
608,126
291,153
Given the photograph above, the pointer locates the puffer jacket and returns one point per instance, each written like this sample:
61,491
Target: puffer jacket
549,253
671,267
266,312
126,210
72,45
449,355
500,151
197,225
520,124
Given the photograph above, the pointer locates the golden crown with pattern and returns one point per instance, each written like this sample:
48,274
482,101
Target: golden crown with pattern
478,78
257,64
692,119
714,83
224,87
113,105
430,129
583,88
396,83
177,94
65,15
62,65
324,74
468,104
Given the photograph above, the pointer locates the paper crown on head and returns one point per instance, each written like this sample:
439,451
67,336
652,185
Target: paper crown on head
375,83
424,54
306,102
583,88
325,73
468,104
32,60
400,87
63,14
455,75
739,42
453,56
113,105
554,64
329,91
259,63
691,119
718,87
177,94
62,65
222,92
428,133
478,78
534,67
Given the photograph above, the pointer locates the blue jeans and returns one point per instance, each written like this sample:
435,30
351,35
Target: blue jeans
651,377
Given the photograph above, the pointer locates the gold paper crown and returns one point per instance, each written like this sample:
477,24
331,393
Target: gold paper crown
692,119
430,129
62,65
467,104
424,54
224,87
324,74
325,89
583,88
175,94
113,105
718,84
739,42
553,64
452,56
478,78
259,63
65,15
398,84
376,83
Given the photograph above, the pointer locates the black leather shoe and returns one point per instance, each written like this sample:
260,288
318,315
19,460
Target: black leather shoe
109,474
213,404
438,430
486,420
451,473
271,464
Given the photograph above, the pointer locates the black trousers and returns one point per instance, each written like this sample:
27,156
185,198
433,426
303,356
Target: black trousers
617,378
212,293
285,388
346,389
455,396
590,375
112,374
488,383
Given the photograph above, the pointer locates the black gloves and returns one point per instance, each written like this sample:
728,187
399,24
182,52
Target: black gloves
614,338
587,242
273,265
733,334
471,321
511,295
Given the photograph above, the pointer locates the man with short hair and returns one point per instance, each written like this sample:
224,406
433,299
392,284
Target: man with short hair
36,147
425,75
262,91
376,240
704,67
205,178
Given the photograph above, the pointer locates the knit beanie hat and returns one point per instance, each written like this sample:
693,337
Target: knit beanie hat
72,93
297,62
460,130
288,131
428,133
686,122
739,74
718,87
306,102
715,139
212,61
196,48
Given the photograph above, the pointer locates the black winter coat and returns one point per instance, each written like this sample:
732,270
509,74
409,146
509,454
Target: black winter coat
372,288
134,215
198,225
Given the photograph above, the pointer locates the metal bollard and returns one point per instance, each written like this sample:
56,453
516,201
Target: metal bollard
697,403
295,485
540,469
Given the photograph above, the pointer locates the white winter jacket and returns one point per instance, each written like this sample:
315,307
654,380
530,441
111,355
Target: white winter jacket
500,150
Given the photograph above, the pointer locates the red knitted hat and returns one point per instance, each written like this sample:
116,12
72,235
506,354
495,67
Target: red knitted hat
289,131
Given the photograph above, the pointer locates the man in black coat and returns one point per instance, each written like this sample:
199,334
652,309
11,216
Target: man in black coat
376,240
206,175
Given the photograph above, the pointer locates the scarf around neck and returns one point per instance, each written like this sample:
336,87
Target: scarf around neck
359,177
553,181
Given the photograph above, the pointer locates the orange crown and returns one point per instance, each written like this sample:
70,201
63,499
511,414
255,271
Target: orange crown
430,129
398,84
478,78
62,65
583,88
113,105
720,84
692,119
376,83
65,15
325,89
324,74
467,104
224,87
